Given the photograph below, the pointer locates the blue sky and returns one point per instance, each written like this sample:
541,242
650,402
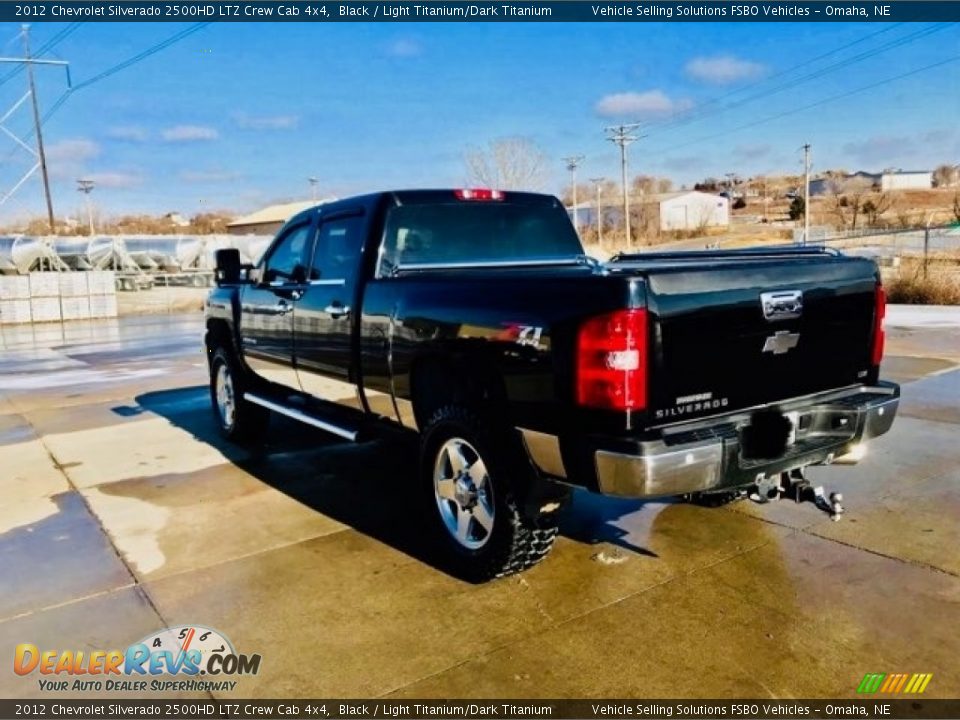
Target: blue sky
238,115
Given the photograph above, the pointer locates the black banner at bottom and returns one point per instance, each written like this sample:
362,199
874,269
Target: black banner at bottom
112,709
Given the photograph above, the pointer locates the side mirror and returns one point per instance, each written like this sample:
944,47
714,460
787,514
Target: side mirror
228,266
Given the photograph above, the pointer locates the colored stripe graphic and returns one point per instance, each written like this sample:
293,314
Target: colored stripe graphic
893,683
871,682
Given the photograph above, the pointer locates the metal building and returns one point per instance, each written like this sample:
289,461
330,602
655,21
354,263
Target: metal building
686,210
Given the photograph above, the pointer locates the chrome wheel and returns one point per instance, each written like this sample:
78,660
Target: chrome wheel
464,493
226,403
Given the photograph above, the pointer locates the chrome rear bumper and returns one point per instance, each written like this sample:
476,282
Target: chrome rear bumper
698,457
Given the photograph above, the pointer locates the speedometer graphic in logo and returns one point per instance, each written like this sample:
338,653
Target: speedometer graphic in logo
196,642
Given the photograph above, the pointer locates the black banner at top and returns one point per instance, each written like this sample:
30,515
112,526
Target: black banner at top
479,11
326,709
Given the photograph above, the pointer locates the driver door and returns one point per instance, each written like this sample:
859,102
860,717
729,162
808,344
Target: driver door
267,307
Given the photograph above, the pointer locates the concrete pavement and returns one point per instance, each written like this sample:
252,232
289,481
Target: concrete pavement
124,513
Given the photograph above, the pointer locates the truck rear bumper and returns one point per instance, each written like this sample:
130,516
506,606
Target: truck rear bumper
698,457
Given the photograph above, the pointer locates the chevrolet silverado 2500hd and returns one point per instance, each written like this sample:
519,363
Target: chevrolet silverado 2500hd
473,318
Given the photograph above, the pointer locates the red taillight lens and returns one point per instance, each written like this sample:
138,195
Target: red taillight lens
612,361
879,336
478,194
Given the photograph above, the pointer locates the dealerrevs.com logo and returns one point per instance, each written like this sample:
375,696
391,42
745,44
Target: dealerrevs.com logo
170,660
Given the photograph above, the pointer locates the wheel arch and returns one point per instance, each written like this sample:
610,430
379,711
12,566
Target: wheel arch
219,334
438,379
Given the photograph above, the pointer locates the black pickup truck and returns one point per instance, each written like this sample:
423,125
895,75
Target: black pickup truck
473,318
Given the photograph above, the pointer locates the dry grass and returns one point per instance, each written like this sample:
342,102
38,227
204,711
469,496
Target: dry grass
941,286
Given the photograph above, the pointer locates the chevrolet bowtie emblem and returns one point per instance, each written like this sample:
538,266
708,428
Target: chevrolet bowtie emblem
781,342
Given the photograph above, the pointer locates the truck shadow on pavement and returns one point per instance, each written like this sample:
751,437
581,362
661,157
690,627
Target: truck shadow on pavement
367,485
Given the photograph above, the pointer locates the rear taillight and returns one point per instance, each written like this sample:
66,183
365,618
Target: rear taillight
876,355
479,194
612,361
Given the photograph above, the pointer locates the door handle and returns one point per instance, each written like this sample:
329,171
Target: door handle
337,311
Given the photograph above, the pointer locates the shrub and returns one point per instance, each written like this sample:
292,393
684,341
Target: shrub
938,288
796,208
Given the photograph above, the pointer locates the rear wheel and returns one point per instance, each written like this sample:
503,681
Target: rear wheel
239,419
469,477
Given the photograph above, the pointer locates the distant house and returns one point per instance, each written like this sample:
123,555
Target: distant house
269,219
681,210
906,180
883,181
687,210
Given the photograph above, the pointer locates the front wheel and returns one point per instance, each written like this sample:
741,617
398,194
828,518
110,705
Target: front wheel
469,477
239,419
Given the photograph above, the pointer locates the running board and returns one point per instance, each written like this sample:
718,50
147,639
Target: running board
303,417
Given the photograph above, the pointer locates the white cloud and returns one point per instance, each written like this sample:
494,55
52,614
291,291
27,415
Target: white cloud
404,48
640,105
115,179
72,151
209,176
128,133
267,122
189,133
723,69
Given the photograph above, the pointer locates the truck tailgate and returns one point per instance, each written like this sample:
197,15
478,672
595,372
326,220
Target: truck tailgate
714,347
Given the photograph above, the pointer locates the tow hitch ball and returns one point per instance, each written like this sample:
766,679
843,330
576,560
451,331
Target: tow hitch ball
795,486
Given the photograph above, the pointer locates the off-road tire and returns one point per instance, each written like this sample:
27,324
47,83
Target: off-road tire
249,421
516,541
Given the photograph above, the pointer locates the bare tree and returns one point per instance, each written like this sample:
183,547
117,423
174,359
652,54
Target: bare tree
510,163
875,207
956,206
946,175
848,198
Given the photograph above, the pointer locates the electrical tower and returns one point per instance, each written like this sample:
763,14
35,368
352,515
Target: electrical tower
624,135
39,155
573,162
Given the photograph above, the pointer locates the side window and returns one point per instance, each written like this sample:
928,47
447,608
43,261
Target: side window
337,254
286,262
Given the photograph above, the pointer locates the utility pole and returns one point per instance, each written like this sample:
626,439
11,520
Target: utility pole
623,135
573,162
36,124
806,193
313,187
598,183
86,187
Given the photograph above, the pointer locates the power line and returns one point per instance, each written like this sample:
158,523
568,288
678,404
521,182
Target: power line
142,56
780,73
824,101
45,48
917,35
58,103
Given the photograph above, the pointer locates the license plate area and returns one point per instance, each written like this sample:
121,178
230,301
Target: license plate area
768,434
